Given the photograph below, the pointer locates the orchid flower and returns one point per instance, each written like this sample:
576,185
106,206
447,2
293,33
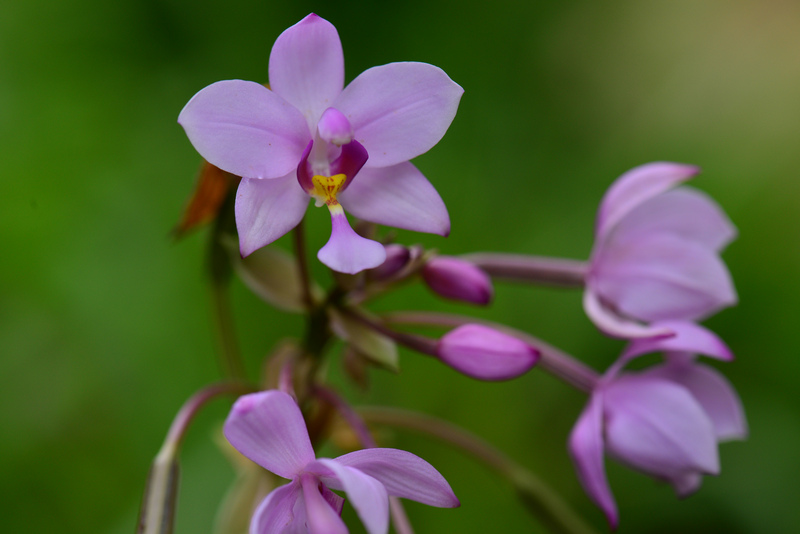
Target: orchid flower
665,421
309,136
268,428
656,253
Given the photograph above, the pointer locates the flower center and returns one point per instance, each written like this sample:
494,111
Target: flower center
326,188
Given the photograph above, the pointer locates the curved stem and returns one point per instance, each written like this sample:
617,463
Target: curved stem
553,360
399,517
157,512
540,499
537,269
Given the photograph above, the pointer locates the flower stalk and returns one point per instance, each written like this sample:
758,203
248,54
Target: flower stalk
539,498
558,272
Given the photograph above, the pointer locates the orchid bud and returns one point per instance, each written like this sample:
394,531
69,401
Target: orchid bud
486,354
457,279
397,257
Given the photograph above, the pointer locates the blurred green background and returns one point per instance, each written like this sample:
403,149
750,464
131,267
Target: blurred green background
105,322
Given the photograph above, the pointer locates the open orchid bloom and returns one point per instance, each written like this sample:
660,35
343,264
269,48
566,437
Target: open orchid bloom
309,136
665,421
268,428
656,253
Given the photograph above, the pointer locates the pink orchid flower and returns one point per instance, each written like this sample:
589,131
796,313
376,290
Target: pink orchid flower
665,421
656,253
268,428
309,136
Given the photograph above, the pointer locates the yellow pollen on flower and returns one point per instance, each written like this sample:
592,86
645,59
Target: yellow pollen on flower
326,187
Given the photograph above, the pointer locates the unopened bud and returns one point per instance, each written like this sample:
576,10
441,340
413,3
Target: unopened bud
397,257
486,354
458,280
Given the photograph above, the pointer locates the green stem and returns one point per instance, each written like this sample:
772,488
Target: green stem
230,357
539,498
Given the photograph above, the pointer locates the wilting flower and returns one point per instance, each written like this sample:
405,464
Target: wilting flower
458,279
485,353
269,429
665,421
656,253
308,135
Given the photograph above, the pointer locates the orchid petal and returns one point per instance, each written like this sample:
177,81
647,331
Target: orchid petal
661,277
348,252
320,516
714,394
613,324
367,495
635,187
657,427
400,110
267,209
306,67
404,475
334,127
689,337
268,428
398,196
245,129
586,450
275,514
684,212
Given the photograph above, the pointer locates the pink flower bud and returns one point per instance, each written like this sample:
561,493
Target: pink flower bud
486,354
457,279
397,257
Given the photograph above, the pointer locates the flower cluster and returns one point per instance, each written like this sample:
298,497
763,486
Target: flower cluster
654,272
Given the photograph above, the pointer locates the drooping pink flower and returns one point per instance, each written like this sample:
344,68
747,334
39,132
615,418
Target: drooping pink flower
268,428
656,253
665,421
308,135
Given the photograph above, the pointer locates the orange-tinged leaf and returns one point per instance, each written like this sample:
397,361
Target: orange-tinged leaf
212,187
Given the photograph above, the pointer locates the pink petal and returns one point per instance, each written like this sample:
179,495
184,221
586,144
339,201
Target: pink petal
714,393
245,129
276,513
320,516
306,67
661,277
404,475
348,252
614,325
683,212
657,427
400,110
398,196
689,337
635,187
485,353
586,449
268,428
367,495
267,209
